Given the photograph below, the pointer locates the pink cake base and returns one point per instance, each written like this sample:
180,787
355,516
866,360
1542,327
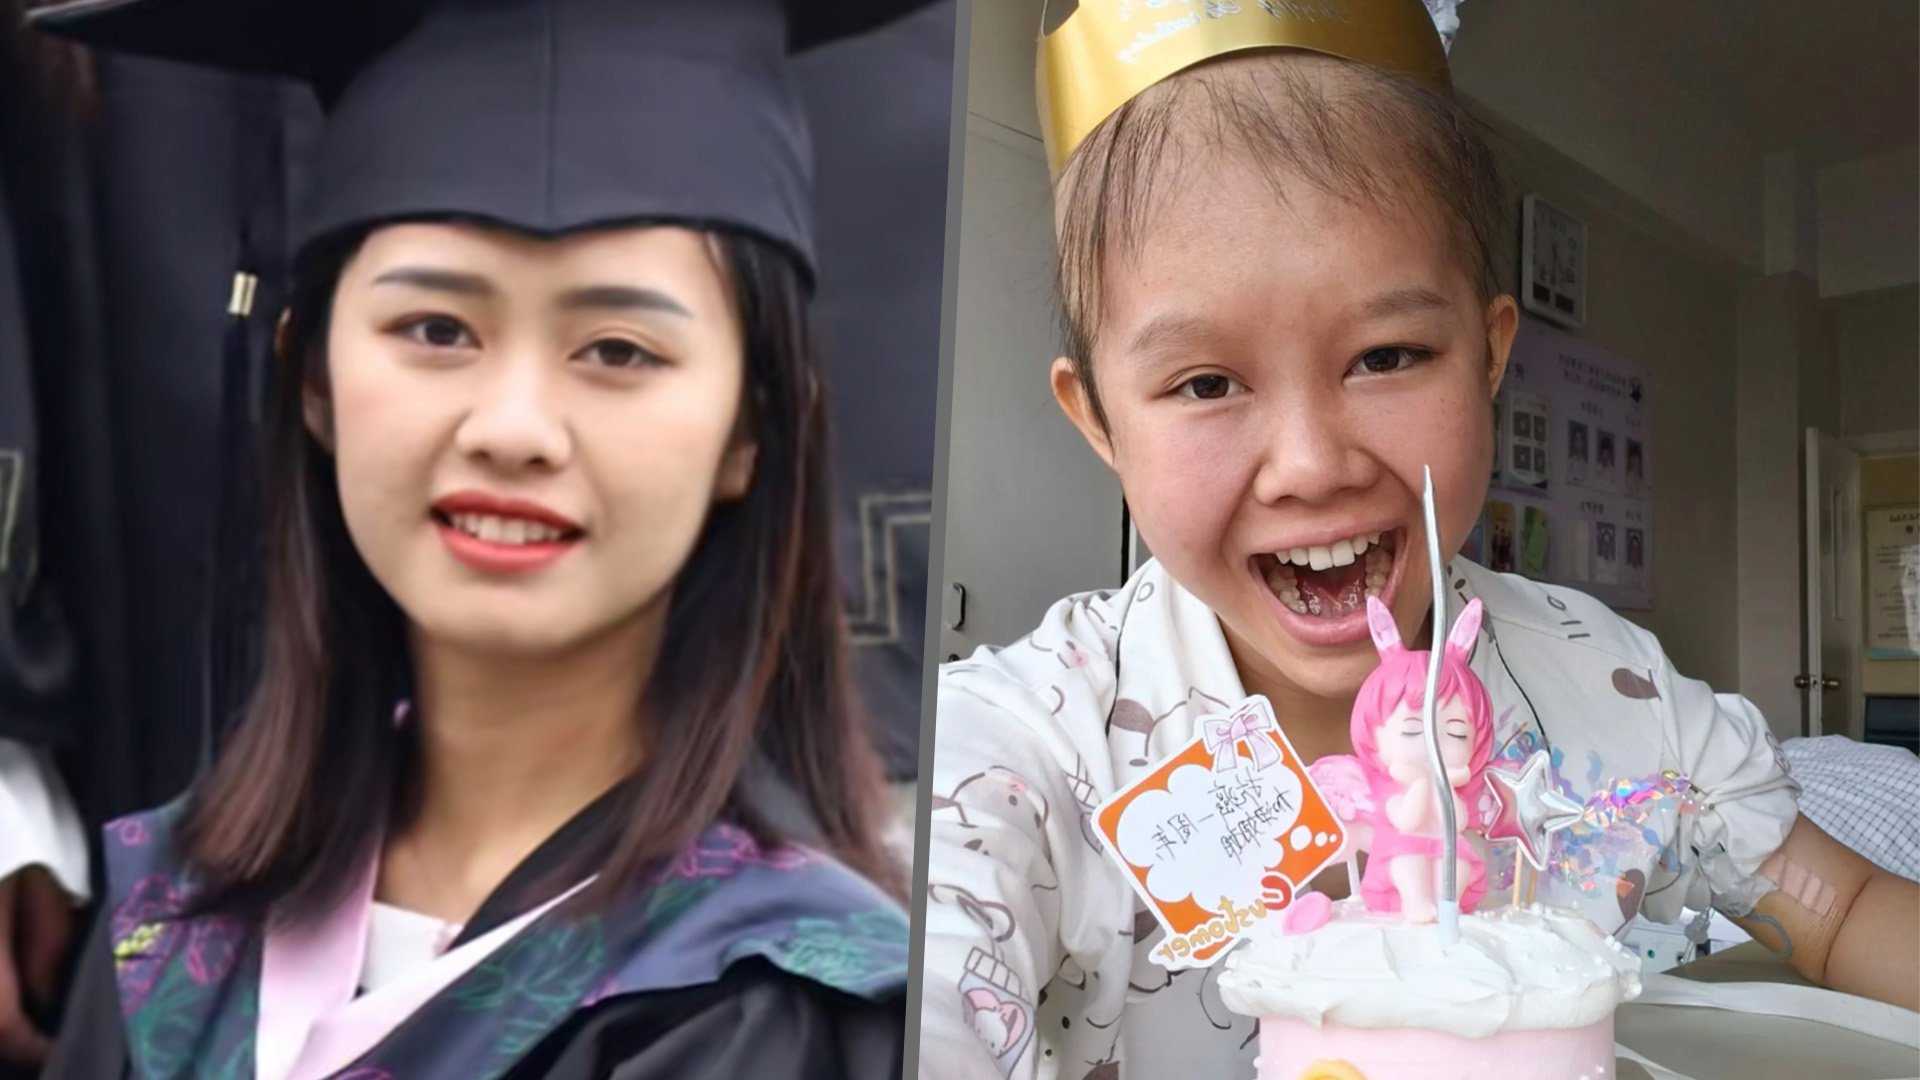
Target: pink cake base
1291,1049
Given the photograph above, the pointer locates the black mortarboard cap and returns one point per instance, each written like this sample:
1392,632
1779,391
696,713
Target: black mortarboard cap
545,116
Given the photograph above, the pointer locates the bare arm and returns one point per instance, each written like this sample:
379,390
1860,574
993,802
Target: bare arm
36,921
1840,920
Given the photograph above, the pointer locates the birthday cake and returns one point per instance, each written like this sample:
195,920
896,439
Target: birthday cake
1397,983
1370,996
1409,979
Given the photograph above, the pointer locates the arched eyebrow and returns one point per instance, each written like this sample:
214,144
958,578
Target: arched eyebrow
622,297
1403,301
1170,332
437,280
1176,331
591,297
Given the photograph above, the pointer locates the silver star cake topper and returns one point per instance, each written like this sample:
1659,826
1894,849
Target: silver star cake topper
1530,809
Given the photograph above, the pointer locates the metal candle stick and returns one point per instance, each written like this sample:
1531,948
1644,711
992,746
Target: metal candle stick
1449,900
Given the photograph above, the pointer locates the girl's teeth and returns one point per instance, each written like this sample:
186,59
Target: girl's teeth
498,530
1338,553
1283,577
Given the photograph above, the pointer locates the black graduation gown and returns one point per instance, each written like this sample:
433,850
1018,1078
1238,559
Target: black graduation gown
123,212
56,497
118,223
49,363
744,1017
755,1022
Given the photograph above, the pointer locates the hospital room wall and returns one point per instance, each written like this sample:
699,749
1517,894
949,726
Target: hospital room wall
1877,356
1668,303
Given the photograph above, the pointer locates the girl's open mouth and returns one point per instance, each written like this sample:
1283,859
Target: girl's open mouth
1332,581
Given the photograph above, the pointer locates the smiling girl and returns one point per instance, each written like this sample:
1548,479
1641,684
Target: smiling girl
1278,237
551,766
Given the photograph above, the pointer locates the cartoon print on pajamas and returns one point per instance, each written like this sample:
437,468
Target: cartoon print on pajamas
1081,784
1146,978
1070,655
1130,715
1013,787
1134,718
1632,685
995,918
995,1009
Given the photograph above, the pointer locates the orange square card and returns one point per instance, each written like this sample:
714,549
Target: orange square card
1221,834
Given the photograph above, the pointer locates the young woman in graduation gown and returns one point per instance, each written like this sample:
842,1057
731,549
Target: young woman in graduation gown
549,766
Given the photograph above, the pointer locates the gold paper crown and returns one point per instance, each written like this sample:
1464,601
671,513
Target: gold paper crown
1106,51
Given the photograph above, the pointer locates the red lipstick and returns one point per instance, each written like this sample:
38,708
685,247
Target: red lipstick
498,556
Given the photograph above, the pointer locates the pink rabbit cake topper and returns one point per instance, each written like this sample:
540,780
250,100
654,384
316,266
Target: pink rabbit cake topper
1390,798
1388,728
1400,683
1422,733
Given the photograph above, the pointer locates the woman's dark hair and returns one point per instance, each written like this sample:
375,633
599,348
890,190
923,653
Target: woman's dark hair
1345,128
753,659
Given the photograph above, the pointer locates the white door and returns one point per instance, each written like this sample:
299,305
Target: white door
1031,513
1831,554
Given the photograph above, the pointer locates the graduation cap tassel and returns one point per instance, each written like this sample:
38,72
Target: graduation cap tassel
235,585
228,580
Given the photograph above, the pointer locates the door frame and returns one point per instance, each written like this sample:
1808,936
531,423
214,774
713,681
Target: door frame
1885,443
1876,445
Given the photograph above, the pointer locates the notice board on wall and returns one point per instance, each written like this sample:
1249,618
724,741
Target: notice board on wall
1893,583
1572,495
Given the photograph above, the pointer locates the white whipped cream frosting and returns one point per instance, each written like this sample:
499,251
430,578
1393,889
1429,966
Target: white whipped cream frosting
1512,970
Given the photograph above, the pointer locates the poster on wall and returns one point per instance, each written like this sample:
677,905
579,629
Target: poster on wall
1572,495
1553,262
1893,583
